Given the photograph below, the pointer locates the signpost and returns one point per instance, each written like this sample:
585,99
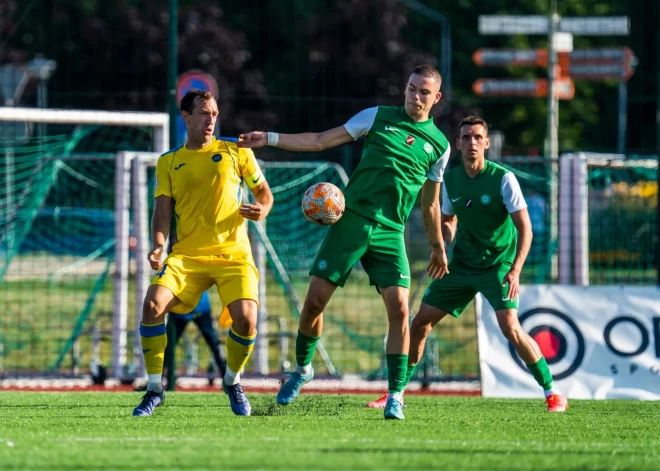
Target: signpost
538,24
600,54
510,57
601,71
564,88
585,64
607,63
489,57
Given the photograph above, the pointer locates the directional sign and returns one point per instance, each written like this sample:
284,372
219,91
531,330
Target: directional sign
602,54
513,24
596,25
564,88
615,71
499,87
507,57
539,57
538,24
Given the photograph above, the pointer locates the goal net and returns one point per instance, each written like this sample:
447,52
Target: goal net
58,242
283,247
611,229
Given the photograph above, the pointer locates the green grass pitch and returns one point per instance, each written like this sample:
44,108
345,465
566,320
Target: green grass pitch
95,431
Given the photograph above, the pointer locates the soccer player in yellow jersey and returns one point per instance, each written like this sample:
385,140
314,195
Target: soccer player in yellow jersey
205,178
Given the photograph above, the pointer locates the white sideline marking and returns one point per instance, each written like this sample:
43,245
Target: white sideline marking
429,441
330,385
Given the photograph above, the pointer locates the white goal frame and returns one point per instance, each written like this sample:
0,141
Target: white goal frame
131,186
159,122
574,210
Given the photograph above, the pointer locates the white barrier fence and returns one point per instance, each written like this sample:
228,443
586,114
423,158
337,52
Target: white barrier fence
601,342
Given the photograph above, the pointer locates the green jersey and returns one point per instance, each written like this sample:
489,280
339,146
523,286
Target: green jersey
486,236
399,156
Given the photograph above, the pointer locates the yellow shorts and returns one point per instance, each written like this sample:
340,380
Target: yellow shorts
234,276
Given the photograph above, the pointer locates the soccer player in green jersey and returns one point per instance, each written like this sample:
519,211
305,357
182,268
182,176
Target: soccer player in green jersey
484,208
403,152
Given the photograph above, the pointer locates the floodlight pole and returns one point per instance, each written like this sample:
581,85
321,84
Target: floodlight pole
552,149
172,72
41,69
172,67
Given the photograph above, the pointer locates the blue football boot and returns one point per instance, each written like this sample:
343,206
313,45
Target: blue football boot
393,408
149,402
290,390
237,399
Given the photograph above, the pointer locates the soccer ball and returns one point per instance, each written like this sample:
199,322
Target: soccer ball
323,204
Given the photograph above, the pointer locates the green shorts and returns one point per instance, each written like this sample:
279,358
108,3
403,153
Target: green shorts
453,292
354,238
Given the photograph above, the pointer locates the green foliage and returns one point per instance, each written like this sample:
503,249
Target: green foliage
302,65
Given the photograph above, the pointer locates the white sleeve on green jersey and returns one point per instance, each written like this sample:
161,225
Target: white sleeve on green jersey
512,194
437,170
447,207
361,123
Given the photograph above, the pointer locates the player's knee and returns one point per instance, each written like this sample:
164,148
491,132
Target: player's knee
244,324
421,326
152,311
315,304
397,315
512,332
397,309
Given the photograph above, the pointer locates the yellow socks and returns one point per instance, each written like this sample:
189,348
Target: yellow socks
154,341
239,348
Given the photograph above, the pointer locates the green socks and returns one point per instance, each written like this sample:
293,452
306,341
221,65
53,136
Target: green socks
397,369
410,372
305,347
541,373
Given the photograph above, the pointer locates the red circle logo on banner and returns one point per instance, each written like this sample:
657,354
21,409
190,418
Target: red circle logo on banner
558,337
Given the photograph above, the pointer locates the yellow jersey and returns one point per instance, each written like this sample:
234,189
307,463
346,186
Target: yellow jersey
206,185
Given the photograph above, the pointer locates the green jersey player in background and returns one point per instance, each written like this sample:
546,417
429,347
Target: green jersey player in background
483,206
403,152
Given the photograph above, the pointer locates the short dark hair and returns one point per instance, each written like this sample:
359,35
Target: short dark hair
188,100
428,71
471,121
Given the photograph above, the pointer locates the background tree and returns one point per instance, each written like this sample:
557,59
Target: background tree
301,65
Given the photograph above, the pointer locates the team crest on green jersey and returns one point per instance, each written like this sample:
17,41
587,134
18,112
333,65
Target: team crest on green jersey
428,147
485,199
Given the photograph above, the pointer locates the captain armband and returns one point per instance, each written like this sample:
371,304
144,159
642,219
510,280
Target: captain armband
256,179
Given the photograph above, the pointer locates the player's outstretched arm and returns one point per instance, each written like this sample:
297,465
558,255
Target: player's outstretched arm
305,142
432,222
260,209
524,226
160,229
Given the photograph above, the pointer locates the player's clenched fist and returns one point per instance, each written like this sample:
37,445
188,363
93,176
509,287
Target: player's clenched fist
253,212
154,258
253,140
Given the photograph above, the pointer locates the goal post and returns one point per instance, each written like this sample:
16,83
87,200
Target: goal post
102,134
132,197
614,196
158,121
